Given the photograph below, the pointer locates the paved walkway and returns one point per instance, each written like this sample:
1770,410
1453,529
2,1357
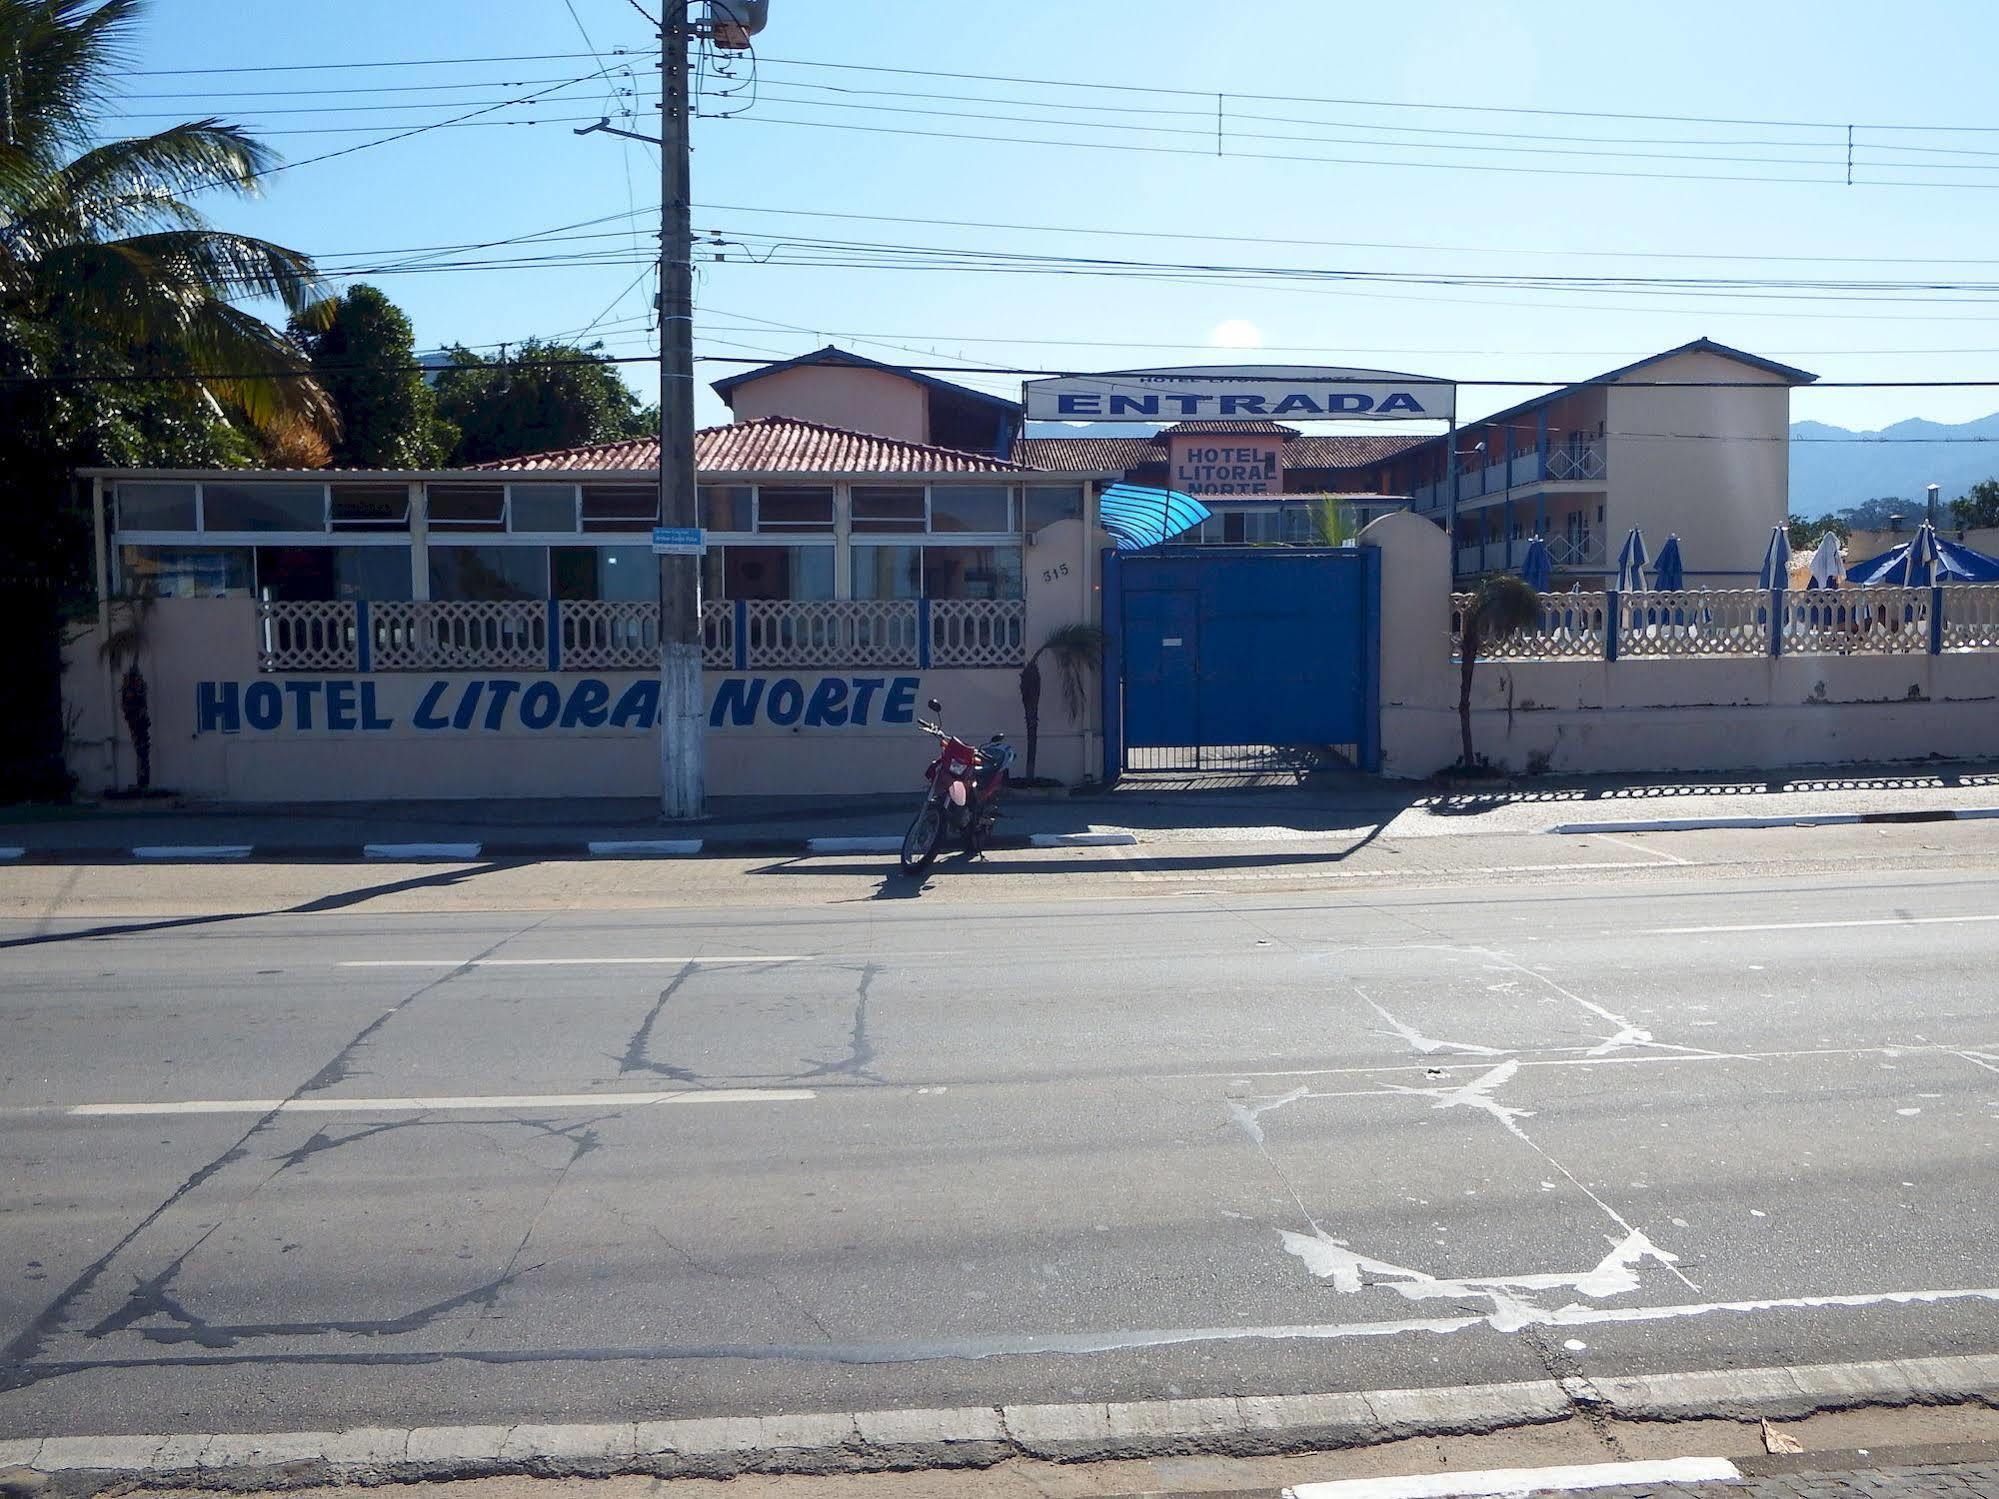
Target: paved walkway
1936,1481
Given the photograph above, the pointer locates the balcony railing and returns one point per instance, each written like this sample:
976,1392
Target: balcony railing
608,635
1570,462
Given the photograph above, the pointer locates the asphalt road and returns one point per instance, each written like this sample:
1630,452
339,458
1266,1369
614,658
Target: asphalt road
352,1164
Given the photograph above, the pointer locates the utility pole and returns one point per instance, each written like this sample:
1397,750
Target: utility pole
682,711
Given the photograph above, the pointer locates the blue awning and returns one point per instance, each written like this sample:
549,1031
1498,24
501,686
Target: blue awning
1140,517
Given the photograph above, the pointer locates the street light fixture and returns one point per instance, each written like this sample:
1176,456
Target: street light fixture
1933,502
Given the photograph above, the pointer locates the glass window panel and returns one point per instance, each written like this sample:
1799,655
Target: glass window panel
154,507
779,572
622,573
626,507
186,572
970,507
467,507
263,507
1050,503
489,572
888,572
318,573
543,507
879,508
370,507
795,509
724,507
714,565
971,573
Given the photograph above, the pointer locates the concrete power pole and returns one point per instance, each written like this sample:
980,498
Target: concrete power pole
682,711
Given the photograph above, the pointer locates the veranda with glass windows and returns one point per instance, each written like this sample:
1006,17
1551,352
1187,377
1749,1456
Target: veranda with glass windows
391,572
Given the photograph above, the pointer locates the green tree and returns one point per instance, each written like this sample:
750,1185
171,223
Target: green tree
364,354
1980,506
1805,534
536,398
107,272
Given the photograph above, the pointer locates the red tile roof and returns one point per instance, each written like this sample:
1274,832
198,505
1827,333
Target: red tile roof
771,444
1088,455
1123,454
1244,428
1343,451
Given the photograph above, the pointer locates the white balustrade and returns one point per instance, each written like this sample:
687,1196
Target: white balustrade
609,635
1857,622
831,632
718,634
1971,617
1570,629
1693,622
1583,460
978,632
459,635
306,636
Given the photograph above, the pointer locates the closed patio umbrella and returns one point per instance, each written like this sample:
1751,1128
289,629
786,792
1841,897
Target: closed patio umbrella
1669,573
1776,571
1537,567
1631,563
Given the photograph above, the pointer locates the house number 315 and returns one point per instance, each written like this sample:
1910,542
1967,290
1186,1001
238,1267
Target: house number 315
1050,574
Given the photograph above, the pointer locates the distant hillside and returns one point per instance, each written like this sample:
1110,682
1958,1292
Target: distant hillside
1834,469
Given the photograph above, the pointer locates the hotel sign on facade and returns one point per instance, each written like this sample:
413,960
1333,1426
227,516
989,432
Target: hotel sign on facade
1239,392
1207,465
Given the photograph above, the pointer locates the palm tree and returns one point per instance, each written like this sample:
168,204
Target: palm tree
1075,650
103,260
121,650
1502,605
1333,523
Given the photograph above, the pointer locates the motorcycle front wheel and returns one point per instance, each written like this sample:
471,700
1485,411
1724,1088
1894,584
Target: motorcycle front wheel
924,838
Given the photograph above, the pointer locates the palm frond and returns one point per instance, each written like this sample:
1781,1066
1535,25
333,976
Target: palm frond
1076,649
189,158
1505,605
256,367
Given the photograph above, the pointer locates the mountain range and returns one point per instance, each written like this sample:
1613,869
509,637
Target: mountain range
1833,468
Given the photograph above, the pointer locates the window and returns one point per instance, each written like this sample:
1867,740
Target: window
322,572
488,572
1049,503
624,573
468,507
724,507
186,572
888,572
971,507
624,507
794,509
154,507
370,507
542,507
878,508
971,573
263,507
777,573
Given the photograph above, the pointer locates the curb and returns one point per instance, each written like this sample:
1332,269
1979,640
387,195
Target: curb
569,848
982,1436
1794,820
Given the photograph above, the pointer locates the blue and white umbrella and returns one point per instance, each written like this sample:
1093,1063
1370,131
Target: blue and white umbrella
1631,564
1776,571
1919,563
1669,573
1537,567
1138,517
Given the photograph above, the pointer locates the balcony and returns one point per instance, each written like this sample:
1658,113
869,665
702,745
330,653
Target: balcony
1568,463
1584,550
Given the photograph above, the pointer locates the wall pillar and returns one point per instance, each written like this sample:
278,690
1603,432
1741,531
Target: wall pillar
419,540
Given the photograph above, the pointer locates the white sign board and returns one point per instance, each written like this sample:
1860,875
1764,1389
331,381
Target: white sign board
678,541
1240,392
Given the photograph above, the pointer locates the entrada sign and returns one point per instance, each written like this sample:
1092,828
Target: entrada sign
1226,392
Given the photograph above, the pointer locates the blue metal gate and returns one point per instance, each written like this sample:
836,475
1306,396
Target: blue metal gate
1241,658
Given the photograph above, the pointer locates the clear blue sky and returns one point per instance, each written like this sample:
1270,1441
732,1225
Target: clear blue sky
1919,63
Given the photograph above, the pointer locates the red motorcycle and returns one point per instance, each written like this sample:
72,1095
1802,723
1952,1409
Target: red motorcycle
963,799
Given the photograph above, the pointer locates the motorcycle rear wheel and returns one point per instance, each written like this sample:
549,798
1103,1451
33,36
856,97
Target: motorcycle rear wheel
924,838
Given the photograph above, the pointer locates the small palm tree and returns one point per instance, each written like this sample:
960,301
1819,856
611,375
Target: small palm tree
122,649
1075,650
1333,524
1500,606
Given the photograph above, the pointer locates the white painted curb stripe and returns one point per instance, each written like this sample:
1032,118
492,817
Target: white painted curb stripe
1523,1480
1084,840
316,1105
867,845
13,853
646,962
614,846
1814,926
193,851
1886,818
420,850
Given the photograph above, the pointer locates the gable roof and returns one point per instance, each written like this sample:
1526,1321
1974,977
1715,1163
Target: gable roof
770,444
834,355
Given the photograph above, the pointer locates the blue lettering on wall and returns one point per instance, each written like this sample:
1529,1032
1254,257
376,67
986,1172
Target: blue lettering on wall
738,698
638,706
426,715
865,689
467,706
787,698
828,708
540,705
216,710
372,721
340,705
588,706
500,690
263,705
901,704
302,694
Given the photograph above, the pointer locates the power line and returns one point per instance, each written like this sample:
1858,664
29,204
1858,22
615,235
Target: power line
398,62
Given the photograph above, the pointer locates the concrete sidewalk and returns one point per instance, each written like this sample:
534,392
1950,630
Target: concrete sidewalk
1176,810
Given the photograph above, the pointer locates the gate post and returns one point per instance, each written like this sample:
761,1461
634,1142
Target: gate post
1370,661
1111,675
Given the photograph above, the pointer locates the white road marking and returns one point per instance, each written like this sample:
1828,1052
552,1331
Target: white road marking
192,851
13,853
1571,1478
316,1105
653,962
1084,840
1451,876
645,846
1657,853
1811,926
421,850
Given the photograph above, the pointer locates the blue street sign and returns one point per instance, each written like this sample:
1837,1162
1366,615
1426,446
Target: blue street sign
678,541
